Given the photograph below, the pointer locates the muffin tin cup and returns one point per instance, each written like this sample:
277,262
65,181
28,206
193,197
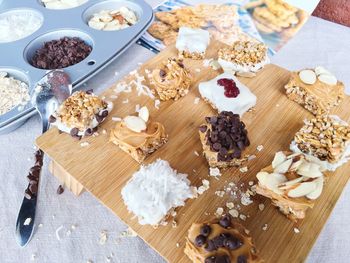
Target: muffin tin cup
106,45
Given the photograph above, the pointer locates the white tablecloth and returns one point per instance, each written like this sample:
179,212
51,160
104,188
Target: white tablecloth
319,43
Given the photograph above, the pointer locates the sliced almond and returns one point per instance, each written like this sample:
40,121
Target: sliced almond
283,167
307,76
321,70
144,113
296,165
135,124
302,190
291,183
318,191
328,79
311,170
280,157
271,181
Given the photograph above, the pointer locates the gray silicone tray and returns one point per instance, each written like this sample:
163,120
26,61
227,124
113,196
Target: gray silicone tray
107,45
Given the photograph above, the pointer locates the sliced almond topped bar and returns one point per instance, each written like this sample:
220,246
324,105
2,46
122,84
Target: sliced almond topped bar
172,80
80,114
220,240
224,139
315,89
138,136
292,182
325,138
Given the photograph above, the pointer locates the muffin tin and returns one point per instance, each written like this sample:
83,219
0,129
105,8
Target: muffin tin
106,45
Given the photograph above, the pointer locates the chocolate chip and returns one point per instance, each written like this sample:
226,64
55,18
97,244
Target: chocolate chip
52,119
200,240
88,132
33,188
210,259
28,194
217,146
60,190
61,53
99,118
225,221
232,243
203,128
205,230
242,259
162,73
223,259
210,246
74,132
218,241
90,91
104,113
181,64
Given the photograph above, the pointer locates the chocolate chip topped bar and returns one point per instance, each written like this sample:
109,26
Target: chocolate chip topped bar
224,139
172,80
293,182
220,240
325,138
192,43
317,90
138,136
80,114
243,57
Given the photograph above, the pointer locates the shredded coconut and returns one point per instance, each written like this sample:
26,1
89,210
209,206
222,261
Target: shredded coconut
154,191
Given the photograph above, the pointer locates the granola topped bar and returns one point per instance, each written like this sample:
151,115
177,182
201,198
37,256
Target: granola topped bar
80,114
317,90
220,240
224,139
325,138
292,182
172,80
243,56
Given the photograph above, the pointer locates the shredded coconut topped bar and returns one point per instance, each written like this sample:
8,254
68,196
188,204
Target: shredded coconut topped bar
155,191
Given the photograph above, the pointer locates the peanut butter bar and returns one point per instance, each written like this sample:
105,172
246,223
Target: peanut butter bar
172,80
292,182
138,136
325,138
315,89
224,139
220,240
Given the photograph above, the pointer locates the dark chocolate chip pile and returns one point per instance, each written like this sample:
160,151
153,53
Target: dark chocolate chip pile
227,135
33,177
224,240
61,53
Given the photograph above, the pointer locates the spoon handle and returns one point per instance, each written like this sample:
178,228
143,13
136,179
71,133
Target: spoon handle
26,215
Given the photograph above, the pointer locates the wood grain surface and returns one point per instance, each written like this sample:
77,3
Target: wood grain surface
103,169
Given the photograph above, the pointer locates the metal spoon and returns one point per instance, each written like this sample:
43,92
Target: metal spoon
50,92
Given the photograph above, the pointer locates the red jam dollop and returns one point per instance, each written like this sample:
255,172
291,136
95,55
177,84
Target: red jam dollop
231,89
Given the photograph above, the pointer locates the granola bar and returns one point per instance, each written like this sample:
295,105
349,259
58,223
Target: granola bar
325,138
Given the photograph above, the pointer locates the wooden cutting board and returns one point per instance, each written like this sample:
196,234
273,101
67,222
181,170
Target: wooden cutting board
103,169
